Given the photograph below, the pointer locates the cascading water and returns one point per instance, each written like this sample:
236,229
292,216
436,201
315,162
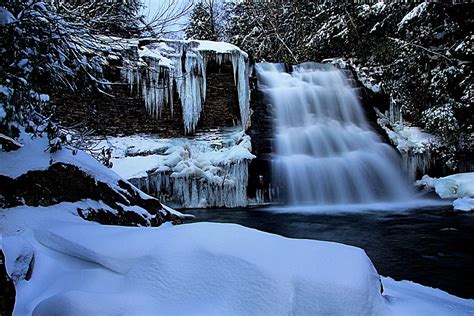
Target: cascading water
326,152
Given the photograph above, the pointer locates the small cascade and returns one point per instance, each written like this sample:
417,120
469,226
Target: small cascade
326,152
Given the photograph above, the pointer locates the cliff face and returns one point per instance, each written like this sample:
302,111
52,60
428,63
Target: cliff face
169,88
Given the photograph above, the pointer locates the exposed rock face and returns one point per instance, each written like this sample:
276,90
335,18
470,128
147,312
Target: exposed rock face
144,94
67,183
261,132
7,289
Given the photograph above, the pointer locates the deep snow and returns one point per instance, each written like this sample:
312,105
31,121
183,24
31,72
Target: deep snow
82,267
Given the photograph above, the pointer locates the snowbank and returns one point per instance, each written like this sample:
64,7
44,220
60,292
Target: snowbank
457,186
35,156
464,204
454,186
161,66
199,268
408,298
209,170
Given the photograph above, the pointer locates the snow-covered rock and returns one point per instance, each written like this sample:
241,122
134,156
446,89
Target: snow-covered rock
413,14
34,176
457,186
450,187
464,204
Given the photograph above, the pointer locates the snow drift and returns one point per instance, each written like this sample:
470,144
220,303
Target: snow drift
82,268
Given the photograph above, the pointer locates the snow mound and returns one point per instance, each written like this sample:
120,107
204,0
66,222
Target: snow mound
202,268
408,298
465,204
451,187
34,156
196,268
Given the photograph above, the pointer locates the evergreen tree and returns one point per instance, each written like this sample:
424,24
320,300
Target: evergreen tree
116,18
202,24
416,53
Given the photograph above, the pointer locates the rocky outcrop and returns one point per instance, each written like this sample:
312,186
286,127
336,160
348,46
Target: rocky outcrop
260,188
123,204
144,95
7,289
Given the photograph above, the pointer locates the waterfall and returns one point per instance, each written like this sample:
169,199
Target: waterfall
325,150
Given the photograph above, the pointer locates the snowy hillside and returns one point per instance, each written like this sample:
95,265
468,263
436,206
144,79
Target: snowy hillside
33,176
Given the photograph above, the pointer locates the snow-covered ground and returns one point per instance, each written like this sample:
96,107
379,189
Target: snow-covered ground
62,264
34,156
458,186
208,170
83,268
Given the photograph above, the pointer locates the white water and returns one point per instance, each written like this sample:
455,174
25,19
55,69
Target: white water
326,151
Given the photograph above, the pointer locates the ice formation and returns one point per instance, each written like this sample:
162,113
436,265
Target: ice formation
415,145
209,171
465,204
166,66
458,186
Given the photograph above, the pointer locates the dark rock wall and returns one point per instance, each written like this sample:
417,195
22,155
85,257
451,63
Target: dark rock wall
124,112
261,132
221,108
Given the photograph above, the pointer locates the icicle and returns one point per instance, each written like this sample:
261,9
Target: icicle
416,163
129,72
241,79
395,114
189,80
192,192
191,84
